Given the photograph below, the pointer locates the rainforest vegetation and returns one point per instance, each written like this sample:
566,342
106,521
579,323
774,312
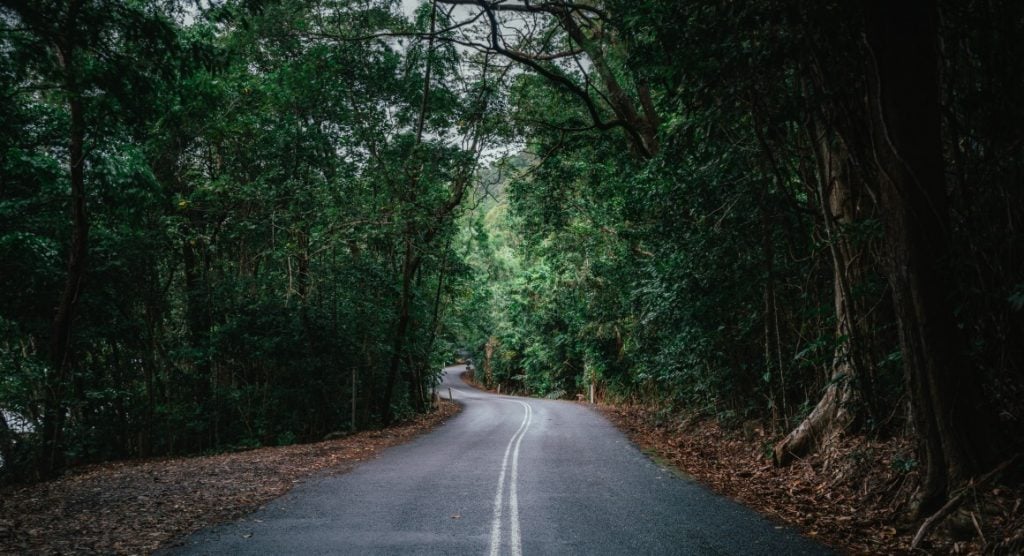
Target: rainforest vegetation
232,223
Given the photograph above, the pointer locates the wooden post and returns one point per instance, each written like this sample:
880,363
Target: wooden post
591,392
450,398
353,398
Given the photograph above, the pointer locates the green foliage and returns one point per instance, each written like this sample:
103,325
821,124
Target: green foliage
704,277
250,189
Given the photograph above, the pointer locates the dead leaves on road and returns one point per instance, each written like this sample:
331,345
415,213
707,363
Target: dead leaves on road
135,507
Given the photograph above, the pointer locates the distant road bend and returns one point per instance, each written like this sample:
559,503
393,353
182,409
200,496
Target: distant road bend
510,476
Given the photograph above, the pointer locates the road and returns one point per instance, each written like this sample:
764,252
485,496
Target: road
507,475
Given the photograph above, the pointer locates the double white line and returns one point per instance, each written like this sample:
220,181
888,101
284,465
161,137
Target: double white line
515,539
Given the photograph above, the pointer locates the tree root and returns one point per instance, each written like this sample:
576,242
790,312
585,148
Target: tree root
828,416
954,502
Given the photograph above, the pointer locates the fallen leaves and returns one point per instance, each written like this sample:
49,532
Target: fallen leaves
138,506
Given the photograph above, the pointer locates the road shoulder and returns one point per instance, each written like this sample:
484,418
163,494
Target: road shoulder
138,506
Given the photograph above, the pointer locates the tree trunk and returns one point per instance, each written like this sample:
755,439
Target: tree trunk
60,338
409,264
304,287
842,405
945,399
195,300
489,347
435,320
410,261
415,378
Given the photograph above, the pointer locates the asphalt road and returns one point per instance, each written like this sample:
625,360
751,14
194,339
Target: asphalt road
506,476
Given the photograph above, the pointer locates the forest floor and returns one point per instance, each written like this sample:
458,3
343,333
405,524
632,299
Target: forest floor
135,507
851,498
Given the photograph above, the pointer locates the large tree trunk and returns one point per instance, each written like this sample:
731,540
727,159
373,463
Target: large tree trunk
842,404
60,336
945,399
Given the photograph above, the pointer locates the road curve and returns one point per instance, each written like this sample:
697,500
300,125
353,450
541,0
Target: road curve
509,476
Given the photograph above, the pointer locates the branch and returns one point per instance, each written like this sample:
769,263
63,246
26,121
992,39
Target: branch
427,71
642,131
553,76
954,502
527,7
549,57
393,34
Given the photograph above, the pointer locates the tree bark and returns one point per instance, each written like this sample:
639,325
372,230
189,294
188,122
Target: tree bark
848,395
946,401
489,347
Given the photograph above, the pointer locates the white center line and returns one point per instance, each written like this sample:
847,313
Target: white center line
516,439
513,499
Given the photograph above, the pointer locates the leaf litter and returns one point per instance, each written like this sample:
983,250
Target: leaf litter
136,507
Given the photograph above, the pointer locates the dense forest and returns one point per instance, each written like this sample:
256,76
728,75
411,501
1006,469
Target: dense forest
237,223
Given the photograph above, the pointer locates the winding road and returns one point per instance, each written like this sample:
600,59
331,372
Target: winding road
508,476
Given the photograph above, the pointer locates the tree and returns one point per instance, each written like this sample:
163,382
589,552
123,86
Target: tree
903,72
80,36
